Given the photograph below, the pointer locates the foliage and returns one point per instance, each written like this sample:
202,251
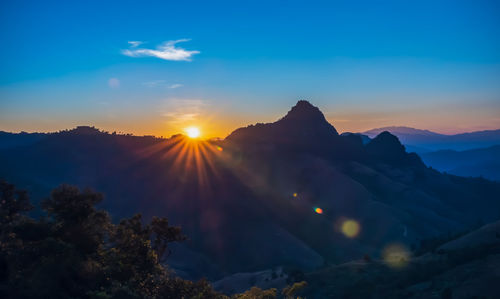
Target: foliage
255,293
75,251
293,290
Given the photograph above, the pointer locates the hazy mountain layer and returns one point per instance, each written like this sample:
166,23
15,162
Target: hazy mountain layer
425,141
477,162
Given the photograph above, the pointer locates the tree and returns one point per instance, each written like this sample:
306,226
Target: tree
293,290
257,293
75,251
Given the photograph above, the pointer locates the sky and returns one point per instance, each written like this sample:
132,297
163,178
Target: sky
157,67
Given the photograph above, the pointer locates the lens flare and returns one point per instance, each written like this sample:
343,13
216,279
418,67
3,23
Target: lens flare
396,256
318,210
193,132
350,228
295,194
220,149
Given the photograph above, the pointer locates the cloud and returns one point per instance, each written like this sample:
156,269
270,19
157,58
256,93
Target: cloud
173,86
161,83
181,111
135,43
165,51
113,83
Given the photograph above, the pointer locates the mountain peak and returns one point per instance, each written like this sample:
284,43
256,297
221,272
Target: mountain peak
304,124
386,147
85,130
304,104
304,110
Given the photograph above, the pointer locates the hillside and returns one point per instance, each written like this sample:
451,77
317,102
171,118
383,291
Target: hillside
466,267
291,193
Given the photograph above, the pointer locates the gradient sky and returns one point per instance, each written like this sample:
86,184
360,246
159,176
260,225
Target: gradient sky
156,67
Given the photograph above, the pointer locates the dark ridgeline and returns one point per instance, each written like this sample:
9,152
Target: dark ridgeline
303,124
386,148
246,202
303,129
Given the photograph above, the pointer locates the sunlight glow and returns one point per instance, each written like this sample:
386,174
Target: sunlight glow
193,132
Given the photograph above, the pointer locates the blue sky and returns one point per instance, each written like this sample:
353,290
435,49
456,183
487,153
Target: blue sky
427,64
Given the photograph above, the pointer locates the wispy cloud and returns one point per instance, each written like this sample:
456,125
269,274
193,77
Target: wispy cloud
180,111
161,83
135,43
173,86
166,51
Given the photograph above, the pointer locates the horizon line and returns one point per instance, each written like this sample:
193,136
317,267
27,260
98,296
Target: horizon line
218,137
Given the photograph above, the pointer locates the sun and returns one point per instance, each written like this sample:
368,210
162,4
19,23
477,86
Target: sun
193,132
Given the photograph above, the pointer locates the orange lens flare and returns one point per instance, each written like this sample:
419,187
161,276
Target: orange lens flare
318,210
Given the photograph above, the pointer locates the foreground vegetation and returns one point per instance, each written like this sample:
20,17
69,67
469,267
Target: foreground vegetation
75,251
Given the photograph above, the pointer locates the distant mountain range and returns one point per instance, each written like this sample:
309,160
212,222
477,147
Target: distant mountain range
426,141
468,154
269,195
477,162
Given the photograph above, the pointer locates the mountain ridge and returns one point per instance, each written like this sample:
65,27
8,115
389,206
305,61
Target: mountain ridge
426,141
251,203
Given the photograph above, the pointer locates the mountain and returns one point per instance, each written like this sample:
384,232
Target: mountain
425,141
292,193
401,130
476,162
365,139
461,267
304,127
22,139
458,266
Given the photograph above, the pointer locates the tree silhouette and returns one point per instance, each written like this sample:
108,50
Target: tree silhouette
75,251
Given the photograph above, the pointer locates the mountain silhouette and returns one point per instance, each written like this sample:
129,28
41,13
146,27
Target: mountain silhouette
304,126
387,148
310,118
422,141
250,202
